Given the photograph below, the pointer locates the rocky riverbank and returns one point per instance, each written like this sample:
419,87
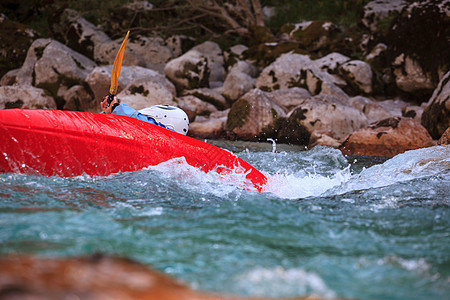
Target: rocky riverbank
301,85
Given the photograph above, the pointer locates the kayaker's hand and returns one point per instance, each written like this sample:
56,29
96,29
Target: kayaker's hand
104,104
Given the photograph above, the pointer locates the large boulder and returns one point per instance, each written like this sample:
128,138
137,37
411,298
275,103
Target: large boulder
379,12
214,55
323,113
296,70
288,99
25,96
359,75
99,79
78,34
388,138
59,63
418,46
189,71
436,116
374,111
253,116
237,83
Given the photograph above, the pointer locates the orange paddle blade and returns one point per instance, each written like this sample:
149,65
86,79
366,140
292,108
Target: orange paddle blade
117,66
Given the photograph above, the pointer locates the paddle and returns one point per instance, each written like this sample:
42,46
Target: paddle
116,71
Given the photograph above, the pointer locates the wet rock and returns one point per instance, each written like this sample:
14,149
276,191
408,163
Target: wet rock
211,126
373,110
78,34
358,74
99,79
436,116
144,93
23,96
93,277
253,116
324,113
211,96
322,138
381,11
288,99
445,138
388,138
189,71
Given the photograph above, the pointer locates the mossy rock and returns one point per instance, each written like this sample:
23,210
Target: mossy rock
291,129
422,33
238,115
14,43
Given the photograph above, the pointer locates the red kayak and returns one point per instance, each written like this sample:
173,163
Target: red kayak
68,143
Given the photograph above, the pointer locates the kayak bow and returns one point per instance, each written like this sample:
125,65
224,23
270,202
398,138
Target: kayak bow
69,143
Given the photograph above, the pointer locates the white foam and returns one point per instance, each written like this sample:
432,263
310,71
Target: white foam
295,281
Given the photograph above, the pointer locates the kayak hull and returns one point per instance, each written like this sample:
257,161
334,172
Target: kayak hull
68,143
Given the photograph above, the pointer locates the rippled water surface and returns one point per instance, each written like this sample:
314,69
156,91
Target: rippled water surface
325,225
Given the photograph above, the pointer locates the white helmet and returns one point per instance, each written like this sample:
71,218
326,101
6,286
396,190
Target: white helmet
172,117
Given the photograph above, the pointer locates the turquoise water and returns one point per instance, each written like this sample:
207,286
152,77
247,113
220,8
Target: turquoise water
326,225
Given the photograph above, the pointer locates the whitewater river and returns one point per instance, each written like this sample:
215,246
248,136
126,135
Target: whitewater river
326,224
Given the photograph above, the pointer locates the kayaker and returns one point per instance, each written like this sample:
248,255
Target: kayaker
166,116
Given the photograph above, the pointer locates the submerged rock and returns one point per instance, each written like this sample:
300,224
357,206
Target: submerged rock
388,138
93,277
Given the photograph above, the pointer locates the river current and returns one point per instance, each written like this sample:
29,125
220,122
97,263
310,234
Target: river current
326,225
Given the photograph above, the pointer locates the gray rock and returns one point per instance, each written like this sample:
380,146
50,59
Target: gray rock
296,70
212,126
212,96
237,83
200,107
358,74
79,99
409,75
373,110
189,71
327,114
144,93
25,96
99,79
253,116
79,34
289,98
378,10
149,52
215,58
59,63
